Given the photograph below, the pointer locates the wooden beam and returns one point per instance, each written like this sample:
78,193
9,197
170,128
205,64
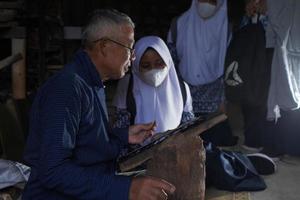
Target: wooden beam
14,32
8,24
18,70
10,4
70,32
10,60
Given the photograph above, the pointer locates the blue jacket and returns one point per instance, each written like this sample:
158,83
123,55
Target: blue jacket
70,148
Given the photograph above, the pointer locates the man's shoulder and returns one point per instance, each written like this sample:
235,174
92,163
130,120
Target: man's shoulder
63,77
64,80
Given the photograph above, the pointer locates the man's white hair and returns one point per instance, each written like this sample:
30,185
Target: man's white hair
103,23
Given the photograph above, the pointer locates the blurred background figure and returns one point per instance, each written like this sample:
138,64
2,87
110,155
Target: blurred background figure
198,41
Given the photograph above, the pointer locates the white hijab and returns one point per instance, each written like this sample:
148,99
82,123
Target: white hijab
164,103
201,44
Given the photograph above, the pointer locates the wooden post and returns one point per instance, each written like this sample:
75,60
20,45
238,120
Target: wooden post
10,60
19,70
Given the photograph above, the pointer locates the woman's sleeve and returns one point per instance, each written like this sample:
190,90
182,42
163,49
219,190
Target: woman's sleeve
187,113
121,114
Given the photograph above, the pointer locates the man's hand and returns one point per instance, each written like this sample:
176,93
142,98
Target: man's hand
140,132
150,188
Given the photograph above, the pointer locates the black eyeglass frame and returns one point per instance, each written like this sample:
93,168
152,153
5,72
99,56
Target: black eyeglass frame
131,50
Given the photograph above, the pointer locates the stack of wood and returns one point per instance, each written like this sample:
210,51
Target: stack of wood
177,156
8,13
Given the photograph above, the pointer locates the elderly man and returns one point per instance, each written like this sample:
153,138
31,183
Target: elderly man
71,149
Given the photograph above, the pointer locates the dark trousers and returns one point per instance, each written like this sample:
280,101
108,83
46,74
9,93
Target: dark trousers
284,136
254,124
220,134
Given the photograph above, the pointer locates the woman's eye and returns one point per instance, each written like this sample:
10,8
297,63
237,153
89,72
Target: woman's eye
145,66
160,64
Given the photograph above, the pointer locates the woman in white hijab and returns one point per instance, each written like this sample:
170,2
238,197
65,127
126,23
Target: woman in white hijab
199,48
282,33
157,94
158,97
155,88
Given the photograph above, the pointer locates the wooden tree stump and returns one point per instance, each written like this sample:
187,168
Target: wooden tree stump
182,163
179,159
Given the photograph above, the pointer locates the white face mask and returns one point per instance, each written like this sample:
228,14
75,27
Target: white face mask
155,77
206,10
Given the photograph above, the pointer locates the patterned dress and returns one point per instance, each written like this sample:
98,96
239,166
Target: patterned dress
206,98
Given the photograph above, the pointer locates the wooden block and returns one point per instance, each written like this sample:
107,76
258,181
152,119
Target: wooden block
179,158
182,163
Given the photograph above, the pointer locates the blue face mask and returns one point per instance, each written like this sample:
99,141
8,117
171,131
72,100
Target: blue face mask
206,10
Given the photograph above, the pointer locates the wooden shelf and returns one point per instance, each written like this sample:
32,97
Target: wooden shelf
13,32
10,4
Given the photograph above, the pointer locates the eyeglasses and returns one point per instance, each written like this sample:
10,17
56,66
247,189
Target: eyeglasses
131,50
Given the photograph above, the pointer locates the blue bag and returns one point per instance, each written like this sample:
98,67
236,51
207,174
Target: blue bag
232,171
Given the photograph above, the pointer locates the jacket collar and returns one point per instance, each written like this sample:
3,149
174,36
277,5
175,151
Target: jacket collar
88,68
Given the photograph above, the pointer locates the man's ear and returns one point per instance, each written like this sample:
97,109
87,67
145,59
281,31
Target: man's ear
102,47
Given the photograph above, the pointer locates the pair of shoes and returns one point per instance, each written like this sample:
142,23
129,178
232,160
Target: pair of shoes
272,154
252,149
263,164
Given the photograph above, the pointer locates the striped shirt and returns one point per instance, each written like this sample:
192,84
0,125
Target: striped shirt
71,149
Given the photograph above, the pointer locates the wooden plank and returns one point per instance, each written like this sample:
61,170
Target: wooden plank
18,70
70,32
14,32
10,60
8,24
197,130
10,4
194,131
136,161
